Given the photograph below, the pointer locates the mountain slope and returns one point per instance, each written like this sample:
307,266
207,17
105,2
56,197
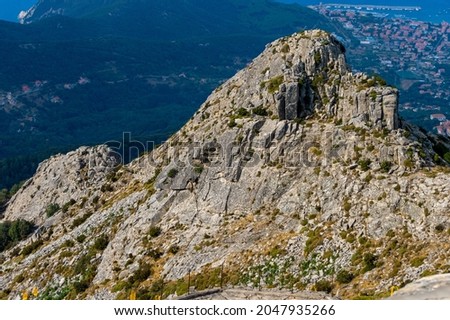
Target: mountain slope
87,76
293,174
181,19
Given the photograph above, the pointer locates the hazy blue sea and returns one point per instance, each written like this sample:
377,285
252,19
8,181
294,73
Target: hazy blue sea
432,10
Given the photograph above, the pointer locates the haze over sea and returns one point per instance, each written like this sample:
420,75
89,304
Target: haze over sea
434,11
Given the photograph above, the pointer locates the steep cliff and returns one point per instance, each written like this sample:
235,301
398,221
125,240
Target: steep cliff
294,174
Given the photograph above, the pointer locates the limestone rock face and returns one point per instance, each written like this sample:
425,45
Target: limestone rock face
306,73
294,174
428,288
60,179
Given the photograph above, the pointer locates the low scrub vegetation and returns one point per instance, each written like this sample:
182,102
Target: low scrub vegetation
12,232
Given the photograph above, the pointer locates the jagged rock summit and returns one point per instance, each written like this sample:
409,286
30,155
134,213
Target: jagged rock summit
294,174
306,73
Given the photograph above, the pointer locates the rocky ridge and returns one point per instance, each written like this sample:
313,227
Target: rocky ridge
295,174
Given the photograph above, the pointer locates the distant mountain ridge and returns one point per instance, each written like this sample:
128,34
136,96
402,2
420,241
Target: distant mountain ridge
47,8
162,19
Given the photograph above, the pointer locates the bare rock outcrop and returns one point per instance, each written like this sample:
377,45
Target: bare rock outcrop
428,288
307,74
60,179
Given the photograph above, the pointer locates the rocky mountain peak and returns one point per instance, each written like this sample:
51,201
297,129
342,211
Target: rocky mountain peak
306,74
294,174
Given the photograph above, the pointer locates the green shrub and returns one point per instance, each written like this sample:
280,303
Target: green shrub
79,221
314,240
370,147
174,249
344,277
232,123
370,261
368,178
121,285
32,247
155,253
81,286
242,113
19,278
141,274
172,173
347,205
68,244
55,293
324,285
317,57
428,273
408,163
5,195
316,151
20,229
95,199
101,243
260,111
67,205
386,166
364,164
81,238
276,251
154,231
379,80
285,48
318,81
13,232
447,157
84,263
273,84
417,261
390,233
198,169
52,209
106,188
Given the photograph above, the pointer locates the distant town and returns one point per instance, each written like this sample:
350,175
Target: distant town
369,7
444,127
413,55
